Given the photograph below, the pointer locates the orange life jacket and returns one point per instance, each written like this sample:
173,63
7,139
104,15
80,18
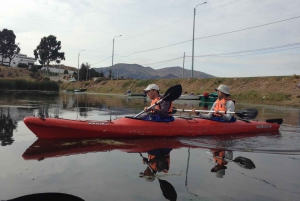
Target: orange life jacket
154,165
219,158
221,105
157,107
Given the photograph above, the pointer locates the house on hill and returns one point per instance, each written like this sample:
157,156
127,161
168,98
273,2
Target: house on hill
19,59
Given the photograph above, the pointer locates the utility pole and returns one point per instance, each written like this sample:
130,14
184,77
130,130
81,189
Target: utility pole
183,65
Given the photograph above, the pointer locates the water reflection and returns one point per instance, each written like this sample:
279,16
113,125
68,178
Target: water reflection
7,125
221,159
159,161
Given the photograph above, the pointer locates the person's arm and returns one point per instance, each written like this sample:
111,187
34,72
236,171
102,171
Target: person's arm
164,109
230,108
208,115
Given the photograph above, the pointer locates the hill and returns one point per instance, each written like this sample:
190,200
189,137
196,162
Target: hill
136,71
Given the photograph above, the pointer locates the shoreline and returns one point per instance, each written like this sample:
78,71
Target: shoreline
279,90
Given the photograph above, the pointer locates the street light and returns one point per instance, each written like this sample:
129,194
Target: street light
78,65
192,73
112,61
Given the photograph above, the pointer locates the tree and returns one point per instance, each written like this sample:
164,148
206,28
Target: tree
48,51
83,71
109,73
8,46
94,73
101,74
13,50
66,72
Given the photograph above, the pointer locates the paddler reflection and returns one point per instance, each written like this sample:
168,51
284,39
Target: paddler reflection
221,159
159,161
220,163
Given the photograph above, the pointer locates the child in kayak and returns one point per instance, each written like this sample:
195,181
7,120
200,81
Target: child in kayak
222,105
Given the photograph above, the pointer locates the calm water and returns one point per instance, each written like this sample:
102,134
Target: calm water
95,169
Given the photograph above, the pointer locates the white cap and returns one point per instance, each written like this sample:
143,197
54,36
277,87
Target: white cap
223,88
151,86
220,173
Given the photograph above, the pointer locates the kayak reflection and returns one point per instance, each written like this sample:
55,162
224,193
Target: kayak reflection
158,160
7,125
48,196
47,148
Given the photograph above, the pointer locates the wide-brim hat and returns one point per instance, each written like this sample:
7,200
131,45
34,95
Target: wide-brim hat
223,88
220,173
151,86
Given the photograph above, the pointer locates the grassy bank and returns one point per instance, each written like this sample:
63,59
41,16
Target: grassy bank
20,84
279,90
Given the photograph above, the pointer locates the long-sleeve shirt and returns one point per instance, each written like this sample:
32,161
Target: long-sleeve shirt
226,117
164,108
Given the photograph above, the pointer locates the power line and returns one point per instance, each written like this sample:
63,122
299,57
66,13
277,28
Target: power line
224,33
101,61
252,50
261,52
232,54
216,7
162,61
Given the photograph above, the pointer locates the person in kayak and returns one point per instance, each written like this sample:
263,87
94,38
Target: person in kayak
160,112
221,106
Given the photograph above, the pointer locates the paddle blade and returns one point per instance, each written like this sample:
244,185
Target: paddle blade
247,113
48,196
168,190
173,93
244,162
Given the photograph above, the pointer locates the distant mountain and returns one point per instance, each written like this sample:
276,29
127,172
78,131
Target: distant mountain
136,71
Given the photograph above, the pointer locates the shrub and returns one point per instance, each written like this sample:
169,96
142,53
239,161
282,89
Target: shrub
20,65
144,83
46,79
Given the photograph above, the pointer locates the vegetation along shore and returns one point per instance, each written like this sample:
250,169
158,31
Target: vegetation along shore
275,90
279,90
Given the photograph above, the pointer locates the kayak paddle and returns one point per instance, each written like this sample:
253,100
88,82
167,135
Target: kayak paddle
245,113
243,162
47,196
171,94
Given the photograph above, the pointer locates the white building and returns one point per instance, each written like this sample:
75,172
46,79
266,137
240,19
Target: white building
58,70
19,59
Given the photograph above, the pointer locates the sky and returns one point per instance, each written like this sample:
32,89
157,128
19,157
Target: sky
233,38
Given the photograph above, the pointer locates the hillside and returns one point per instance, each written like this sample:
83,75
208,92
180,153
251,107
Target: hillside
279,90
136,71
14,73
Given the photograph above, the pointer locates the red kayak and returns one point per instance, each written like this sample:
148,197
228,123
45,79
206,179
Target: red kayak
128,127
